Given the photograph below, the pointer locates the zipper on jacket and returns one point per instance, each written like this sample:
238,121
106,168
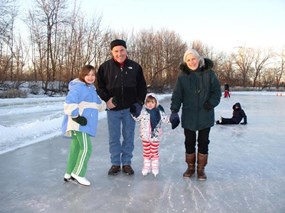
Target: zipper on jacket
122,85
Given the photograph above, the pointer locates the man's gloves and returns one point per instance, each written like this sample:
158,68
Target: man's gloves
174,120
81,120
136,109
208,106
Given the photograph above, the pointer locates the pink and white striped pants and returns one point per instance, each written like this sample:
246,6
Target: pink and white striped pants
150,150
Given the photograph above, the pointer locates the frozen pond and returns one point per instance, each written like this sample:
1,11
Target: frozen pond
246,171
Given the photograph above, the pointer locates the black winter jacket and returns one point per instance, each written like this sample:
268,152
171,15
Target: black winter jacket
126,85
238,114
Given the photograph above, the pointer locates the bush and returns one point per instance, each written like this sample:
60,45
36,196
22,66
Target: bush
35,89
13,93
4,86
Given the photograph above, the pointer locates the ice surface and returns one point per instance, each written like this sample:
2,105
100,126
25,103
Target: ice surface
246,171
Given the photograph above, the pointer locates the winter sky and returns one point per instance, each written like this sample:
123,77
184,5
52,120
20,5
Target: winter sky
221,24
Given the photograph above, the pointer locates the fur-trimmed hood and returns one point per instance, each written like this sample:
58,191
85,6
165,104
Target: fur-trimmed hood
207,66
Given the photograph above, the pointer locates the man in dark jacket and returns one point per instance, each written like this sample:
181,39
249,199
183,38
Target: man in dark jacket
238,115
198,91
122,86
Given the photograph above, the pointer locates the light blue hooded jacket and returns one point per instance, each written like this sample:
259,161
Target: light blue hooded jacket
82,99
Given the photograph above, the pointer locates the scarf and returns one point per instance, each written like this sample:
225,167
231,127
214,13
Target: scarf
154,117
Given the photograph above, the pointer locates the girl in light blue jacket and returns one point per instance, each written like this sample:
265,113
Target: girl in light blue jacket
80,122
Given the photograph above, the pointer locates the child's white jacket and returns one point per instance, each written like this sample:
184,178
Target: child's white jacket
145,126
82,99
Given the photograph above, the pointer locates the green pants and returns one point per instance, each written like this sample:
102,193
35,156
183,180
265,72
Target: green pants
79,154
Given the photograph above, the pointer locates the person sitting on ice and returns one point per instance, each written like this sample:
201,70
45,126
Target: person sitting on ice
238,115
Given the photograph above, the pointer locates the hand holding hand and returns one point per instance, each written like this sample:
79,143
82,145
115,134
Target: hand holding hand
136,109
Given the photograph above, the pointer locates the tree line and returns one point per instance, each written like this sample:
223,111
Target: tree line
60,42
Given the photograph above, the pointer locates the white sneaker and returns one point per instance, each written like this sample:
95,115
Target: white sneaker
146,167
155,167
67,177
81,180
221,119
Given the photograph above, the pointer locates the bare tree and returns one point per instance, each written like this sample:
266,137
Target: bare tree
260,61
83,43
46,20
202,49
141,49
223,67
38,47
267,78
61,43
20,58
243,61
8,13
280,68
160,54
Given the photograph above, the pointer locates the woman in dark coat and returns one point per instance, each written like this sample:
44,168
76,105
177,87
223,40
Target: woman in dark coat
198,91
238,115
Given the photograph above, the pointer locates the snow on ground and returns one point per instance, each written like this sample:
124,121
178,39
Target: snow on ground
24,121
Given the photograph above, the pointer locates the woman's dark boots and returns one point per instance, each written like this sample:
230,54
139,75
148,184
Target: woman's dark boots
190,159
202,162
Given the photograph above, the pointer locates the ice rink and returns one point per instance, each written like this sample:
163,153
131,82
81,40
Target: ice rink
246,170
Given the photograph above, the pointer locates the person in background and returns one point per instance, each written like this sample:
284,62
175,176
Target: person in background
238,115
227,91
122,85
198,91
80,121
151,118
